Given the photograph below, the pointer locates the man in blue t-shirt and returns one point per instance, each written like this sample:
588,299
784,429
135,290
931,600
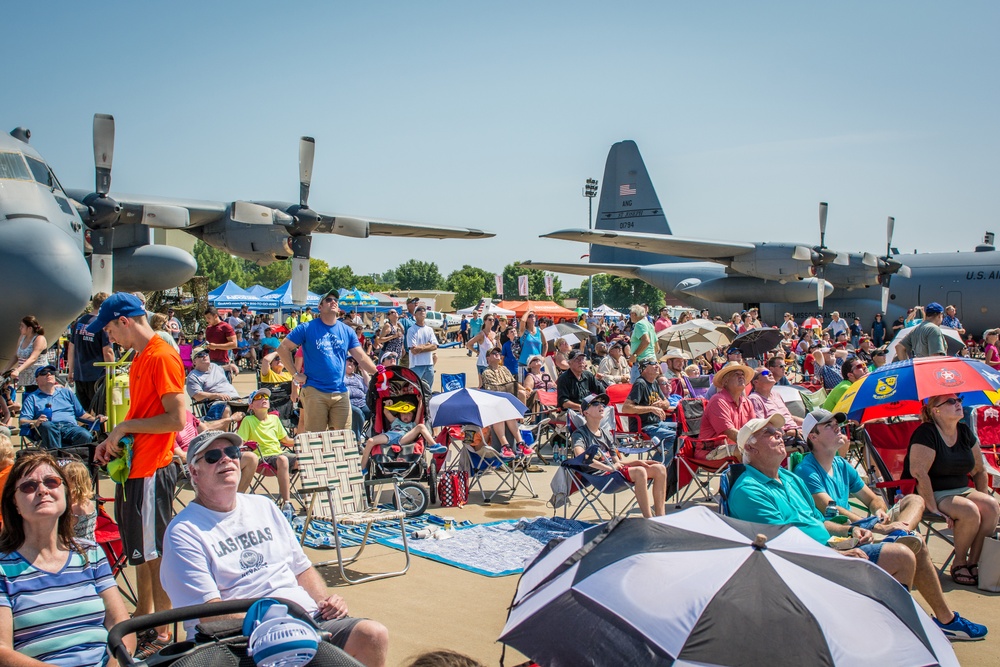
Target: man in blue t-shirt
325,343
51,413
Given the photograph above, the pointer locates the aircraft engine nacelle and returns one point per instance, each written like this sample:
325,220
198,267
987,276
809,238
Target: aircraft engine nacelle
260,243
151,267
350,227
772,261
742,289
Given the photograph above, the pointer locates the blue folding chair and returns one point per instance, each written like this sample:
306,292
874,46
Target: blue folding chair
593,486
726,484
452,381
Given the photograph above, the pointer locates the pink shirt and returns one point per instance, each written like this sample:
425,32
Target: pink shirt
662,323
765,407
723,413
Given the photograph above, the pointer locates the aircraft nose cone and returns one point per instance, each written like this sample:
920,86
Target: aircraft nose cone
45,275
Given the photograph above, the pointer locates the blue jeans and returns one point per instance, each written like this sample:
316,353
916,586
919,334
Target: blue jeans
425,373
215,411
666,433
358,418
872,550
53,435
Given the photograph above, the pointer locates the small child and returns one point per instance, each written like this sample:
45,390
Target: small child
6,461
402,429
81,499
273,443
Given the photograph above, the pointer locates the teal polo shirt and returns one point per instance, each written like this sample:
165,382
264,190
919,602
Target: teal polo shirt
783,501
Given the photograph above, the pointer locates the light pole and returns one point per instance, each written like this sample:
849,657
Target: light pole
590,191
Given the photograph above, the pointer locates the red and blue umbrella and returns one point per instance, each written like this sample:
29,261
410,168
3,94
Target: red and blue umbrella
898,388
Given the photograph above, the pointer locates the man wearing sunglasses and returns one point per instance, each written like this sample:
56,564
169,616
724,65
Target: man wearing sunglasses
325,343
227,545
853,370
52,411
144,504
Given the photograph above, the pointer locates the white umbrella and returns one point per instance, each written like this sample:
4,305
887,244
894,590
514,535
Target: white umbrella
488,309
605,310
696,337
951,338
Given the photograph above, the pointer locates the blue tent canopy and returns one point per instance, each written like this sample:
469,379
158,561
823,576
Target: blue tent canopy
258,290
281,298
355,299
228,288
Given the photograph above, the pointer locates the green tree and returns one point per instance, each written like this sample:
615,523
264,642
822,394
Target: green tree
536,284
620,293
415,274
218,266
470,284
274,274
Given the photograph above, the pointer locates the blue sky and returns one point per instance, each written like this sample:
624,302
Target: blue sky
492,115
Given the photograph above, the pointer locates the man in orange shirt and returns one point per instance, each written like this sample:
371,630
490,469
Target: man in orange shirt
143,505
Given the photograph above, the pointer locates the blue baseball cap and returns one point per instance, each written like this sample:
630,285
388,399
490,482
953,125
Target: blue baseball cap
933,308
119,304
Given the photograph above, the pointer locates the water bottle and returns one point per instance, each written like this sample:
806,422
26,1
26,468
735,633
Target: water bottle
47,411
898,497
831,510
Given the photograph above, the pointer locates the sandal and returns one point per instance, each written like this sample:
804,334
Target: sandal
974,569
963,576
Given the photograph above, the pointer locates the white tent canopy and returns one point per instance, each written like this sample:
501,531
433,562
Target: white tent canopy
604,310
489,309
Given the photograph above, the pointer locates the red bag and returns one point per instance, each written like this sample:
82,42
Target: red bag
453,488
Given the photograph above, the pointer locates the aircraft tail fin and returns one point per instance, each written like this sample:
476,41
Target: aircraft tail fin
628,203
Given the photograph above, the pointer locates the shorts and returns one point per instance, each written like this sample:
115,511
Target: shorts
872,550
394,437
144,507
948,493
625,473
339,628
273,460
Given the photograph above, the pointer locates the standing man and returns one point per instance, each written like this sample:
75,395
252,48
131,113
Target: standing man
220,337
421,342
173,324
926,340
643,340
856,332
837,325
325,343
878,330
144,504
663,321
951,320
475,326
86,349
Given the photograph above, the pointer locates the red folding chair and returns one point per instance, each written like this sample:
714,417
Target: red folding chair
886,446
693,464
107,535
987,429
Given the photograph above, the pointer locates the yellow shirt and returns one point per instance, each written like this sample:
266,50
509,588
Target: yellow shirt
305,317
268,434
275,378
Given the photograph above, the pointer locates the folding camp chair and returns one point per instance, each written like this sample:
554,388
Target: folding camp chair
452,381
628,428
886,445
814,399
486,461
553,433
726,483
986,426
107,535
692,452
593,487
331,477
793,400
266,470
698,386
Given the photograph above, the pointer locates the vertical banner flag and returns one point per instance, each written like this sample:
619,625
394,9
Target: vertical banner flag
499,280
522,285
549,280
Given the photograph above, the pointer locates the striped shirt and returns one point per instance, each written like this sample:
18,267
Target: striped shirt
58,616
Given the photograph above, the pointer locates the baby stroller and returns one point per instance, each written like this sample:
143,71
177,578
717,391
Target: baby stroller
405,462
218,643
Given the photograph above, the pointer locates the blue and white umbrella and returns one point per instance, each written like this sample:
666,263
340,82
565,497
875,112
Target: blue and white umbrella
474,406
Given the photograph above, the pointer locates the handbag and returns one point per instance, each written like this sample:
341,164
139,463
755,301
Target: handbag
453,488
989,566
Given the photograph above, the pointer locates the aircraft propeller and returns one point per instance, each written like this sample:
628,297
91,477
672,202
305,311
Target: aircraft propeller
820,255
888,265
102,213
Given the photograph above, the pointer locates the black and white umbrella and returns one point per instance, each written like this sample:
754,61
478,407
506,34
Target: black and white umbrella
696,588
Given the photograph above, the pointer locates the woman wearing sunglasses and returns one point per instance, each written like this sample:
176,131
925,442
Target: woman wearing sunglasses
943,455
48,580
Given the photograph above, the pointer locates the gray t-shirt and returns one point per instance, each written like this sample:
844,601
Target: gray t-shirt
212,381
925,341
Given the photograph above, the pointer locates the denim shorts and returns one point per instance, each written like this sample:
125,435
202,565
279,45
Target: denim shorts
872,551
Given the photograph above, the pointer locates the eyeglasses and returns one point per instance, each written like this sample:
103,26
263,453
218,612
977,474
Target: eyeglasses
950,401
213,456
29,486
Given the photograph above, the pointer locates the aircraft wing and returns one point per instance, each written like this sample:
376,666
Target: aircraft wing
415,230
676,246
201,212
582,269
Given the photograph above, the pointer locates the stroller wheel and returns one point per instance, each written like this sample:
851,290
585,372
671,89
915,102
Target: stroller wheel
432,482
414,498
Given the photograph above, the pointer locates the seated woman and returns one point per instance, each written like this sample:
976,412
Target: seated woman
943,455
602,456
47,578
402,429
535,377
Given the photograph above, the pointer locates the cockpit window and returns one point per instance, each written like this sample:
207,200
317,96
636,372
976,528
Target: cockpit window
41,172
12,166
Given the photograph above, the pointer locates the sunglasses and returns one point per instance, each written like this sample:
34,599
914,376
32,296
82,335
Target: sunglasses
329,299
770,430
950,401
213,456
29,486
